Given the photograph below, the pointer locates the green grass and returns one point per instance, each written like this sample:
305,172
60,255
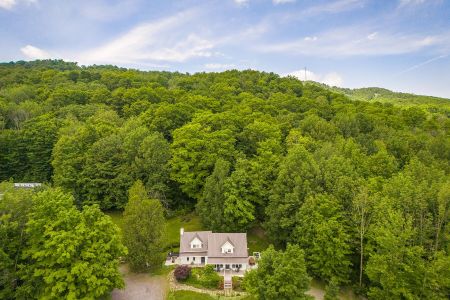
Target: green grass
204,278
116,216
257,240
189,222
188,295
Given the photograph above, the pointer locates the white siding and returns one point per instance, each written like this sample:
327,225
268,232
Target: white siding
189,260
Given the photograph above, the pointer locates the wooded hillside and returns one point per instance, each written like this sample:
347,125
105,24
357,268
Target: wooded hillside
363,188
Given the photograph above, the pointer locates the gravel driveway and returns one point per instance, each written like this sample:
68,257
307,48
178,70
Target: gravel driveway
141,286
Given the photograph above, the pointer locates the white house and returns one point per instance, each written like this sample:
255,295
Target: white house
223,250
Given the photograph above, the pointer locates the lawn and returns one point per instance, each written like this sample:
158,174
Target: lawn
189,222
188,295
116,216
257,240
204,278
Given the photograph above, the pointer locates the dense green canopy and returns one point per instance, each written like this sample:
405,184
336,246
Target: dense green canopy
338,177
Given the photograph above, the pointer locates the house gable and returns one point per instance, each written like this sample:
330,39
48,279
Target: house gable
227,247
196,243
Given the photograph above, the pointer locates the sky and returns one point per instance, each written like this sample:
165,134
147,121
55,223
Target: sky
402,45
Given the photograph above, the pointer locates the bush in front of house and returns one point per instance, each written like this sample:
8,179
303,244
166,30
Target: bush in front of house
204,278
237,281
182,272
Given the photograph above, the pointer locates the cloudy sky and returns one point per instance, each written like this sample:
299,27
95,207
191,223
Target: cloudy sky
402,45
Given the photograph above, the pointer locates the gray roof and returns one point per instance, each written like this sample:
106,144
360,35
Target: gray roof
187,238
213,242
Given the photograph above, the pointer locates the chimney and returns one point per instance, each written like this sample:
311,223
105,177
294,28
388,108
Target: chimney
181,231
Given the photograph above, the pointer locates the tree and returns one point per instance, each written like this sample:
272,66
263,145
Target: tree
322,233
195,150
332,290
396,268
362,206
151,165
70,254
298,176
210,207
144,230
14,208
280,275
106,175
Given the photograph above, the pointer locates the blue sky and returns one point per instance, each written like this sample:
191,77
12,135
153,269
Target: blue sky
403,45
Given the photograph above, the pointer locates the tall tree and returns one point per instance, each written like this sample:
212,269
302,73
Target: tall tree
144,230
395,266
210,207
14,208
70,254
195,150
280,275
362,206
323,234
298,176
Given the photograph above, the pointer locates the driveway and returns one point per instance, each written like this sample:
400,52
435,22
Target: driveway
141,286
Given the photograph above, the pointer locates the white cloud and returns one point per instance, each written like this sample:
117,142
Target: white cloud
360,41
32,52
276,2
372,36
335,7
403,3
331,79
310,38
9,4
162,41
218,66
241,2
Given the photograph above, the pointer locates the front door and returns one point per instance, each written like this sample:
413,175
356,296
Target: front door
227,267
203,260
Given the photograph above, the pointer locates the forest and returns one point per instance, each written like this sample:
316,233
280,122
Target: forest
361,187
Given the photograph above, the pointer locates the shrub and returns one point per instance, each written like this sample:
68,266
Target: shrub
236,282
182,272
204,277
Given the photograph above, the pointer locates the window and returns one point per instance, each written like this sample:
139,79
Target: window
187,258
193,258
233,266
229,250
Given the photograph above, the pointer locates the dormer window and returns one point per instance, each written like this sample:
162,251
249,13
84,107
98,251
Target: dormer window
227,247
196,243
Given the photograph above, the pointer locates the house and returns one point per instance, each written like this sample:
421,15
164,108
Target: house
226,251
27,185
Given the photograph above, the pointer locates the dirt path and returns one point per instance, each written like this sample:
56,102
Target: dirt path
141,286
317,293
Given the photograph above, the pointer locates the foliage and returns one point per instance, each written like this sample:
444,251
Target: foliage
332,290
204,277
68,253
144,230
325,168
210,206
182,272
280,275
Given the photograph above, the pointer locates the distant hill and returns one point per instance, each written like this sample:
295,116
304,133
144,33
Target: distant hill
387,96
376,94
